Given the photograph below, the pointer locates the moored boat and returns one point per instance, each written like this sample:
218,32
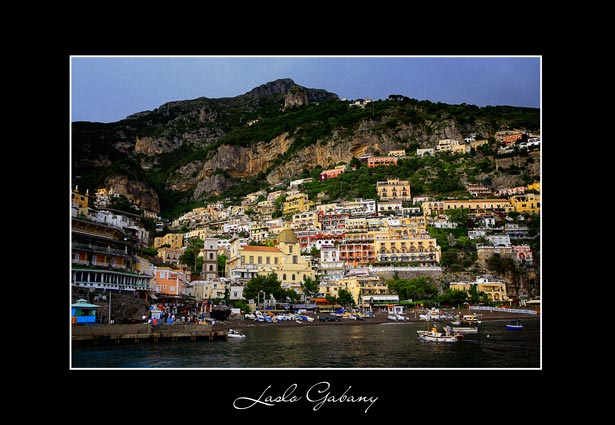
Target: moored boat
232,333
514,325
466,329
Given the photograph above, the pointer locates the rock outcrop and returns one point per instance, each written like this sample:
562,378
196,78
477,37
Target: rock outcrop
136,191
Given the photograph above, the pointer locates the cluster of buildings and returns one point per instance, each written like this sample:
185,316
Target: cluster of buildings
344,244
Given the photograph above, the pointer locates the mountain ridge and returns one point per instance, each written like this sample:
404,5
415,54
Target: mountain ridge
192,150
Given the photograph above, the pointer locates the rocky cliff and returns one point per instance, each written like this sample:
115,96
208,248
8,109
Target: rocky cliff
136,191
203,147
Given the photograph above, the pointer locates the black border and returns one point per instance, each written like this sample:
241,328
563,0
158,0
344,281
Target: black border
209,394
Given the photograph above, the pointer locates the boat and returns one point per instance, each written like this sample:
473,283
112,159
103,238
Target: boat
514,325
434,336
466,329
470,319
232,333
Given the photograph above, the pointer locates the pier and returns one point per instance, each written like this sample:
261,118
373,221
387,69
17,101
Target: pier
137,333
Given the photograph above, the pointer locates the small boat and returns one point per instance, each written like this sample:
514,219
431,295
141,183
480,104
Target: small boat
439,337
466,329
434,336
232,333
514,325
470,319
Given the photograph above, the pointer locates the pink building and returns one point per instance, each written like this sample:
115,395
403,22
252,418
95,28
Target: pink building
522,254
331,174
377,161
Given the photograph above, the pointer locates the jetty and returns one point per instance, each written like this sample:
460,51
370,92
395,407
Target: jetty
143,332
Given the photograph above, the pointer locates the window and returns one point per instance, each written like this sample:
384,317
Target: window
295,259
260,260
293,276
164,286
251,259
211,268
275,260
284,276
211,255
268,260
172,288
290,249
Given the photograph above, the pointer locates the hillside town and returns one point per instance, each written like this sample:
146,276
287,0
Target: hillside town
207,256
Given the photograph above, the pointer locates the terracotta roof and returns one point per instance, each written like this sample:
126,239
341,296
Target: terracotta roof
260,248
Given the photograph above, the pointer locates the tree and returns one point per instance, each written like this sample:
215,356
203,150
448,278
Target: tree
292,295
453,297
344,297
222,264
264,285
473,294
309,287
189,257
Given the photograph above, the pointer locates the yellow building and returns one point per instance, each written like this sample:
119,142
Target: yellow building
394,189
474,205
170,255
297,203
284,260
305,221
495,289
534,186
398,154
529,202
360,287
407,248
476,143
201,233
174,240
79,203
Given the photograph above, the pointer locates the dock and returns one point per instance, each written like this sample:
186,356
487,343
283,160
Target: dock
137,333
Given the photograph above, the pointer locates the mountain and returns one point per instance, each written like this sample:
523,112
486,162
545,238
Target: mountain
188,151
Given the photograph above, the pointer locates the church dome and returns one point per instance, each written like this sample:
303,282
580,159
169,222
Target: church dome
287,236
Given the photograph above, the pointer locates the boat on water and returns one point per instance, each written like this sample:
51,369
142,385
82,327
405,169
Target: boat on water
466,329
397,317
434,336
470,319
439,336
514,325
232,333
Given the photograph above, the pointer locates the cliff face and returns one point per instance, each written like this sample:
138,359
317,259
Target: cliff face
296,96
275,131
136,191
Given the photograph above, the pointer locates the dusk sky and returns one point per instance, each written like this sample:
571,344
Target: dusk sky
108,89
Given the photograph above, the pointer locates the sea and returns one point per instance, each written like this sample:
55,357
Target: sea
386,345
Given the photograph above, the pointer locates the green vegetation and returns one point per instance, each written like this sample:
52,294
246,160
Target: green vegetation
421,288
458,251
264,286
309,287
190,256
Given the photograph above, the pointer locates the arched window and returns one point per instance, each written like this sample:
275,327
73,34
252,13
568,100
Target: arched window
293,276
284,276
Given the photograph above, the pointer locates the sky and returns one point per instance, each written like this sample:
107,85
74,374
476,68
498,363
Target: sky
108,89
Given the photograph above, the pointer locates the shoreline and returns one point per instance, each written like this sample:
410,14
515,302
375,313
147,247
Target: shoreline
376,320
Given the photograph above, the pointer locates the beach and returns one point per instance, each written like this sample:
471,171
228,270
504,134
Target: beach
378,318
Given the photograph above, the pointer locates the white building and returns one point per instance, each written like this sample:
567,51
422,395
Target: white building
499,240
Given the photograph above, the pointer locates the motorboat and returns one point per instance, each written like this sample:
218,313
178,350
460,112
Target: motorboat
232,333
514,325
